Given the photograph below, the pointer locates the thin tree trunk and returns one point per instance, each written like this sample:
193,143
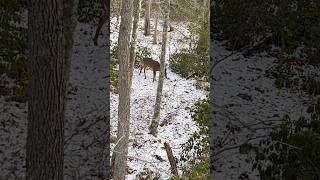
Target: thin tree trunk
169,23
203,40
104,18
172,160
119,156
108,163
136,15
47,90
155,34
156,116
118,12
147,18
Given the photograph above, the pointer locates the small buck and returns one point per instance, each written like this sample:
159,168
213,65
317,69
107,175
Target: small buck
155,65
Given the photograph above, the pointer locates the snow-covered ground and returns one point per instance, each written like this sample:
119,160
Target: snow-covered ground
87,107
247,105
86,119
146,151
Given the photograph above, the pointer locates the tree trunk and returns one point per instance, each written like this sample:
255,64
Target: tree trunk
172,160
70,22
118,12
119,159
136,15
155,34
203,41
147,18
104,18
156,116
48,73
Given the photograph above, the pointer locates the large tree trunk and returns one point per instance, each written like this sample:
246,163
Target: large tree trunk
147,18
156,116
136,15
119,156
69,24
48,72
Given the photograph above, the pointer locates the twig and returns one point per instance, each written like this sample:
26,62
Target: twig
236,146
248,48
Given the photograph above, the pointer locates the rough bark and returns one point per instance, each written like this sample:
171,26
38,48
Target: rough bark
156,116
47,90
136,15
171,159
119,159
108,164
203,39
69,24
155,34
147,18
119,5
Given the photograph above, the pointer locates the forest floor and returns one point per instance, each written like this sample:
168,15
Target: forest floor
145,150
86,116
87,107
247,106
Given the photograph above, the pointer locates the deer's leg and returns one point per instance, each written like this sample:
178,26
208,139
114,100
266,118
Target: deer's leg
144,70
154,76
102,20
165,73
140,69
171,28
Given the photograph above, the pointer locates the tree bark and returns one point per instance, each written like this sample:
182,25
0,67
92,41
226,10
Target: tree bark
155,35
118,12
203,41
171,159
69,24
49,68
147,18
156,116
136,15
119,159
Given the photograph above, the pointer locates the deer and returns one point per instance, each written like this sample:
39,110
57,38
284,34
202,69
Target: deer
154,65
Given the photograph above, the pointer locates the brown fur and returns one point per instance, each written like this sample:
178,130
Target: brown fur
154,65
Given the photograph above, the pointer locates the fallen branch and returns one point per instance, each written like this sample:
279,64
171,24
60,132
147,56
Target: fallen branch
235,146
245,48
172,160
